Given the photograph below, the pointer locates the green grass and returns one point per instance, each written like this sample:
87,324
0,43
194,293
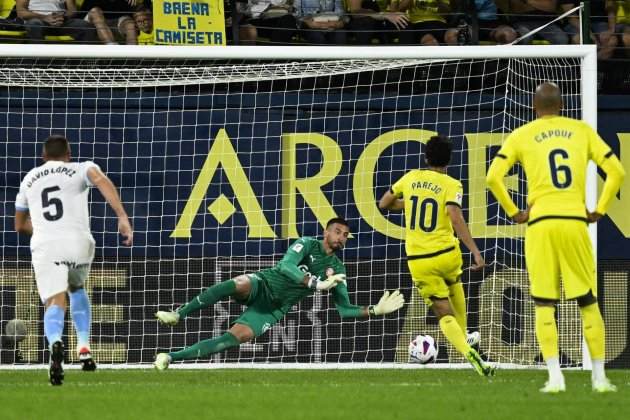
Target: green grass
303,394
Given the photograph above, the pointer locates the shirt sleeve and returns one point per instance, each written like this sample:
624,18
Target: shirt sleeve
455,194
21,202
398,188
83,170
342,303
603,156
503,161
288,265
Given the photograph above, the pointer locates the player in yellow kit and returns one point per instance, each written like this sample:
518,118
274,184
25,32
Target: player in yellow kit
554,152
432,203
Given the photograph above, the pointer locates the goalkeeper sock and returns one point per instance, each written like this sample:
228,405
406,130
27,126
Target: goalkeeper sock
53,323
454,334
206,347
81,314
208,297
546,331
594,334
458,304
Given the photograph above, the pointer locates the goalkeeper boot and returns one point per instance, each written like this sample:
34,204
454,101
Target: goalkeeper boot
55,370
473,338
167,317
603,386
162,360
86,360
482,368
553,387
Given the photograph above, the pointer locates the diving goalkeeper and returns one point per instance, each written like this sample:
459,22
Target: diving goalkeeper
309,265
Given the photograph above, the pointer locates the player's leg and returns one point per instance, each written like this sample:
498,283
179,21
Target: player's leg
239,333
456,336
80,308
544,277
580,283
51,276
240,288
253,322
53,330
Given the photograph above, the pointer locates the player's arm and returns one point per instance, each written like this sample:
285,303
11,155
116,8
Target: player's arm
23,223
387,304
463,233
393,200
108,190
601,154
288,266
390,202
500,166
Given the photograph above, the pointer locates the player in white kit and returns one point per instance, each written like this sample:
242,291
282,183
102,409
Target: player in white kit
52,206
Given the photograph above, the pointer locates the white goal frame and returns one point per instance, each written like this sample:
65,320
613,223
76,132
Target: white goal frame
587,54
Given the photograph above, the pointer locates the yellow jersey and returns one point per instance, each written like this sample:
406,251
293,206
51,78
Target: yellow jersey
146,38
428,228
425,11
554,152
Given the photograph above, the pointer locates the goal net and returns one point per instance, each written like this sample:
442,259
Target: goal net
222,162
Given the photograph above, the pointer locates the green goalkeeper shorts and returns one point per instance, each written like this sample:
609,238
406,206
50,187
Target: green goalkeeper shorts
261,313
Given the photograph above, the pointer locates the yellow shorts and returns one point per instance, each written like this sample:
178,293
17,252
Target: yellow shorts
560,250
433,275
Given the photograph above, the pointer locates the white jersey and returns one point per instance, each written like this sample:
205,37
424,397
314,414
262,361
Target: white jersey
56,196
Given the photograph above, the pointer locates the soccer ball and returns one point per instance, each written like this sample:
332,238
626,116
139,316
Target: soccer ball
15,330
422,349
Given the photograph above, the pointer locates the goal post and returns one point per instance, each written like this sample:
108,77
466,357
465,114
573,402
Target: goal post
225,155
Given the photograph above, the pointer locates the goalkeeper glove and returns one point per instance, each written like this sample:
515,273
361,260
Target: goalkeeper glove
327,284
388,303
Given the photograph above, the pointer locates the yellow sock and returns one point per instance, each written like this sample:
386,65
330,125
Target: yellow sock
546,331
454,334
594,331
458,304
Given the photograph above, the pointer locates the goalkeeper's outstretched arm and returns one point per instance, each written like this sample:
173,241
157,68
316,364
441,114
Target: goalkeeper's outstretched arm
387,304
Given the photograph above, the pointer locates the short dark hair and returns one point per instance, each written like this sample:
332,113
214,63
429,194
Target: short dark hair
56,146
339,220
438,151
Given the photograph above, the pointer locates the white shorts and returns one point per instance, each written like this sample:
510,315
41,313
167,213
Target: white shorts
61,263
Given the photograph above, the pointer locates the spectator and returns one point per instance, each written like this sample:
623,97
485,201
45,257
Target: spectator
370,19
528,15
623,17
492,26
52,17
428,22
272,19
108,15
321,21
143,18
603,25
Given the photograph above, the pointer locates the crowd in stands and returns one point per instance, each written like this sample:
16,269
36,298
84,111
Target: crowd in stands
328,22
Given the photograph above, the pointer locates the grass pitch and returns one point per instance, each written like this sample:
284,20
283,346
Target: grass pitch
306,394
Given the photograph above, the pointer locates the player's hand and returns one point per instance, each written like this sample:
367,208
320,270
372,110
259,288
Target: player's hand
521,217
399,20
330,282
124,228
389,303
593,217
479,262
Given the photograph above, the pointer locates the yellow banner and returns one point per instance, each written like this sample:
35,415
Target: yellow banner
200,22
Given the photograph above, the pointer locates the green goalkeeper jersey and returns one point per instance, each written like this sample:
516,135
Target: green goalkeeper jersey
306,256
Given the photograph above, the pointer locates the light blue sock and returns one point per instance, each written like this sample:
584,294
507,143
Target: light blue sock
81,316
53,323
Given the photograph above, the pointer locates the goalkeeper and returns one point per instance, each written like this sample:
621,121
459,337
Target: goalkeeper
309,265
